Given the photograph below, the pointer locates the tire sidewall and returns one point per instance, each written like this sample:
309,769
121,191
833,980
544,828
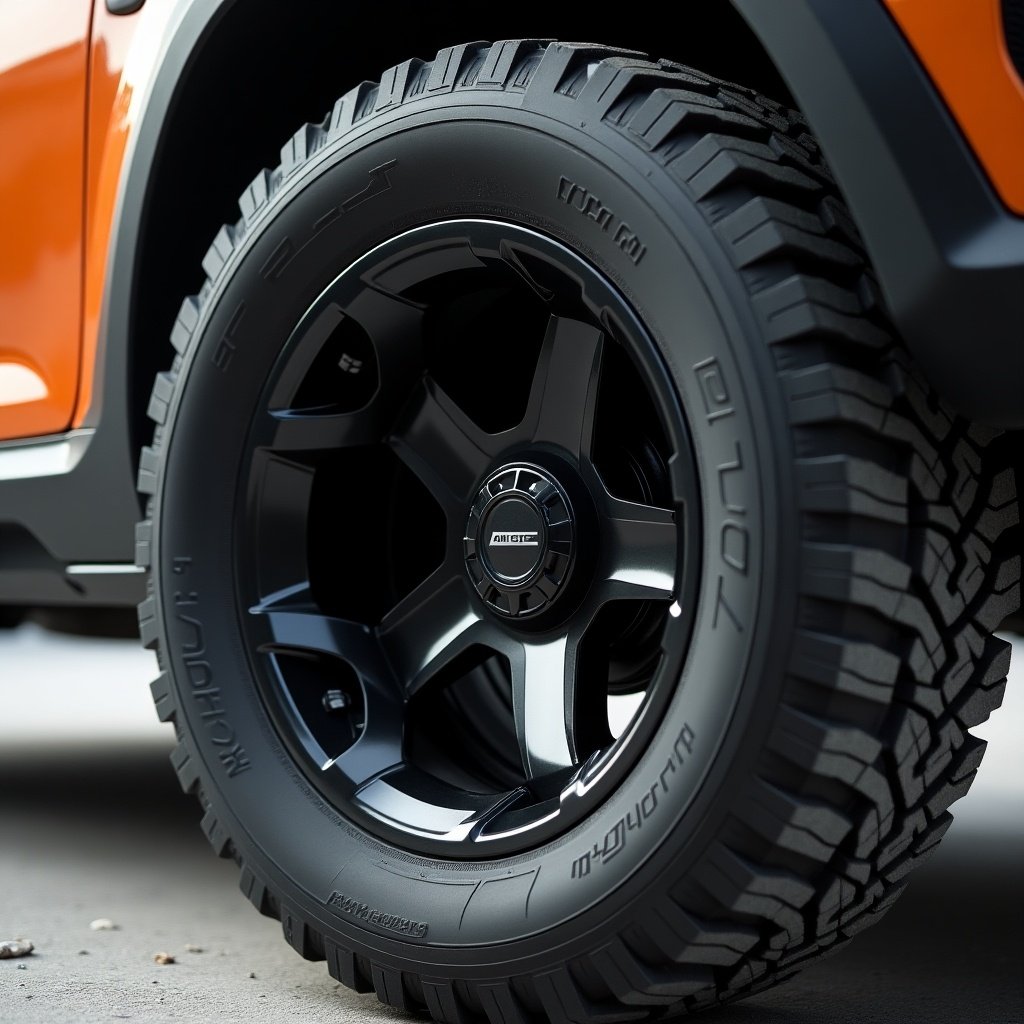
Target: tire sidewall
497,161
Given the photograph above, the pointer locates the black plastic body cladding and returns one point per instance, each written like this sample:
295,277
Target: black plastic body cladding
949,255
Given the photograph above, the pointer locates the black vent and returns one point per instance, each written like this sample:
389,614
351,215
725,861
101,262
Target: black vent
1013,22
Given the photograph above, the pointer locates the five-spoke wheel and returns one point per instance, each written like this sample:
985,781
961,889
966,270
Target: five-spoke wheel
468,429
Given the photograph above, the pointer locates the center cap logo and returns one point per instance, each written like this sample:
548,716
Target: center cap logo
507,540
513,537
519,540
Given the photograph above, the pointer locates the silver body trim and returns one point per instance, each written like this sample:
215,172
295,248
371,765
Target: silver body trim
104,569
46,456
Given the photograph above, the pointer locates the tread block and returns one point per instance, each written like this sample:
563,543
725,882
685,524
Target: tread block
565,68
300,147
394,84
163,699
185,767
163,389
255,197
685,938
149,630
854,486
862,670
255,891
299,935
614,77
501,1006
667,111
390,989
217,255
442,1002
184,325
352,107
636,983
765,228
450,64
143,543
564,1001
149,464
343,966
747,888
807,827
502,59
801,308
718,162
216,834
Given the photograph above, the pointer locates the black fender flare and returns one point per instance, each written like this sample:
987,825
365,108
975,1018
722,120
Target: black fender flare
949,255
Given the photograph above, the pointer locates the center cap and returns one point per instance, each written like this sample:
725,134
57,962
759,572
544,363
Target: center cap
514,538
519,540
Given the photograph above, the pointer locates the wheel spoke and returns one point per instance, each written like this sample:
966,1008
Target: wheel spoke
297,624
395,328
379,746
429,627
442,446
564,391
543,700
641,551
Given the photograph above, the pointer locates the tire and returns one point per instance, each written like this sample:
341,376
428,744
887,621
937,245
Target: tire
855,549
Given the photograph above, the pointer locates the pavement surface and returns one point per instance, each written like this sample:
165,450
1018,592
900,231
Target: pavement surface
92,825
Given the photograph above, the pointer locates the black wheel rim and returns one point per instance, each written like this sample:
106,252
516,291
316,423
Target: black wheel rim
469,524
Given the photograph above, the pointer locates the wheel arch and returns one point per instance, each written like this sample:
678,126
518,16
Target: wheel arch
226,50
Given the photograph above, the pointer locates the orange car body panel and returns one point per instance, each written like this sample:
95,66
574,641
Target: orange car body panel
43,61
69,94
962,44
71,81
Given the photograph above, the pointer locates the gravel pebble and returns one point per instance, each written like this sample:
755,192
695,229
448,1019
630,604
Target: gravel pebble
15,947
163,958
103,924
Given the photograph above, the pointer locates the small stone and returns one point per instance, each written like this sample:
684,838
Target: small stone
163,958
103,924
10,948
83,952
190,948
252,974
22,967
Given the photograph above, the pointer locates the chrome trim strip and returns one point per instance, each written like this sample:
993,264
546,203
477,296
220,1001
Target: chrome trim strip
46,456
104,569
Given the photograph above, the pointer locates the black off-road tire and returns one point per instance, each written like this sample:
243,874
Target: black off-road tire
877,534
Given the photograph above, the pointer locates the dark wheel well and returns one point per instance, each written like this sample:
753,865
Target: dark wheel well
256,75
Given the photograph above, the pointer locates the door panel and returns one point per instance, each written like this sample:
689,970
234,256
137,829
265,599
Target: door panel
43,70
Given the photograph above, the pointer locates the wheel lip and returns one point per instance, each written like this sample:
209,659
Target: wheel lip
586,786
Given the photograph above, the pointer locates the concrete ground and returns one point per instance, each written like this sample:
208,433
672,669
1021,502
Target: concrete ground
92,825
